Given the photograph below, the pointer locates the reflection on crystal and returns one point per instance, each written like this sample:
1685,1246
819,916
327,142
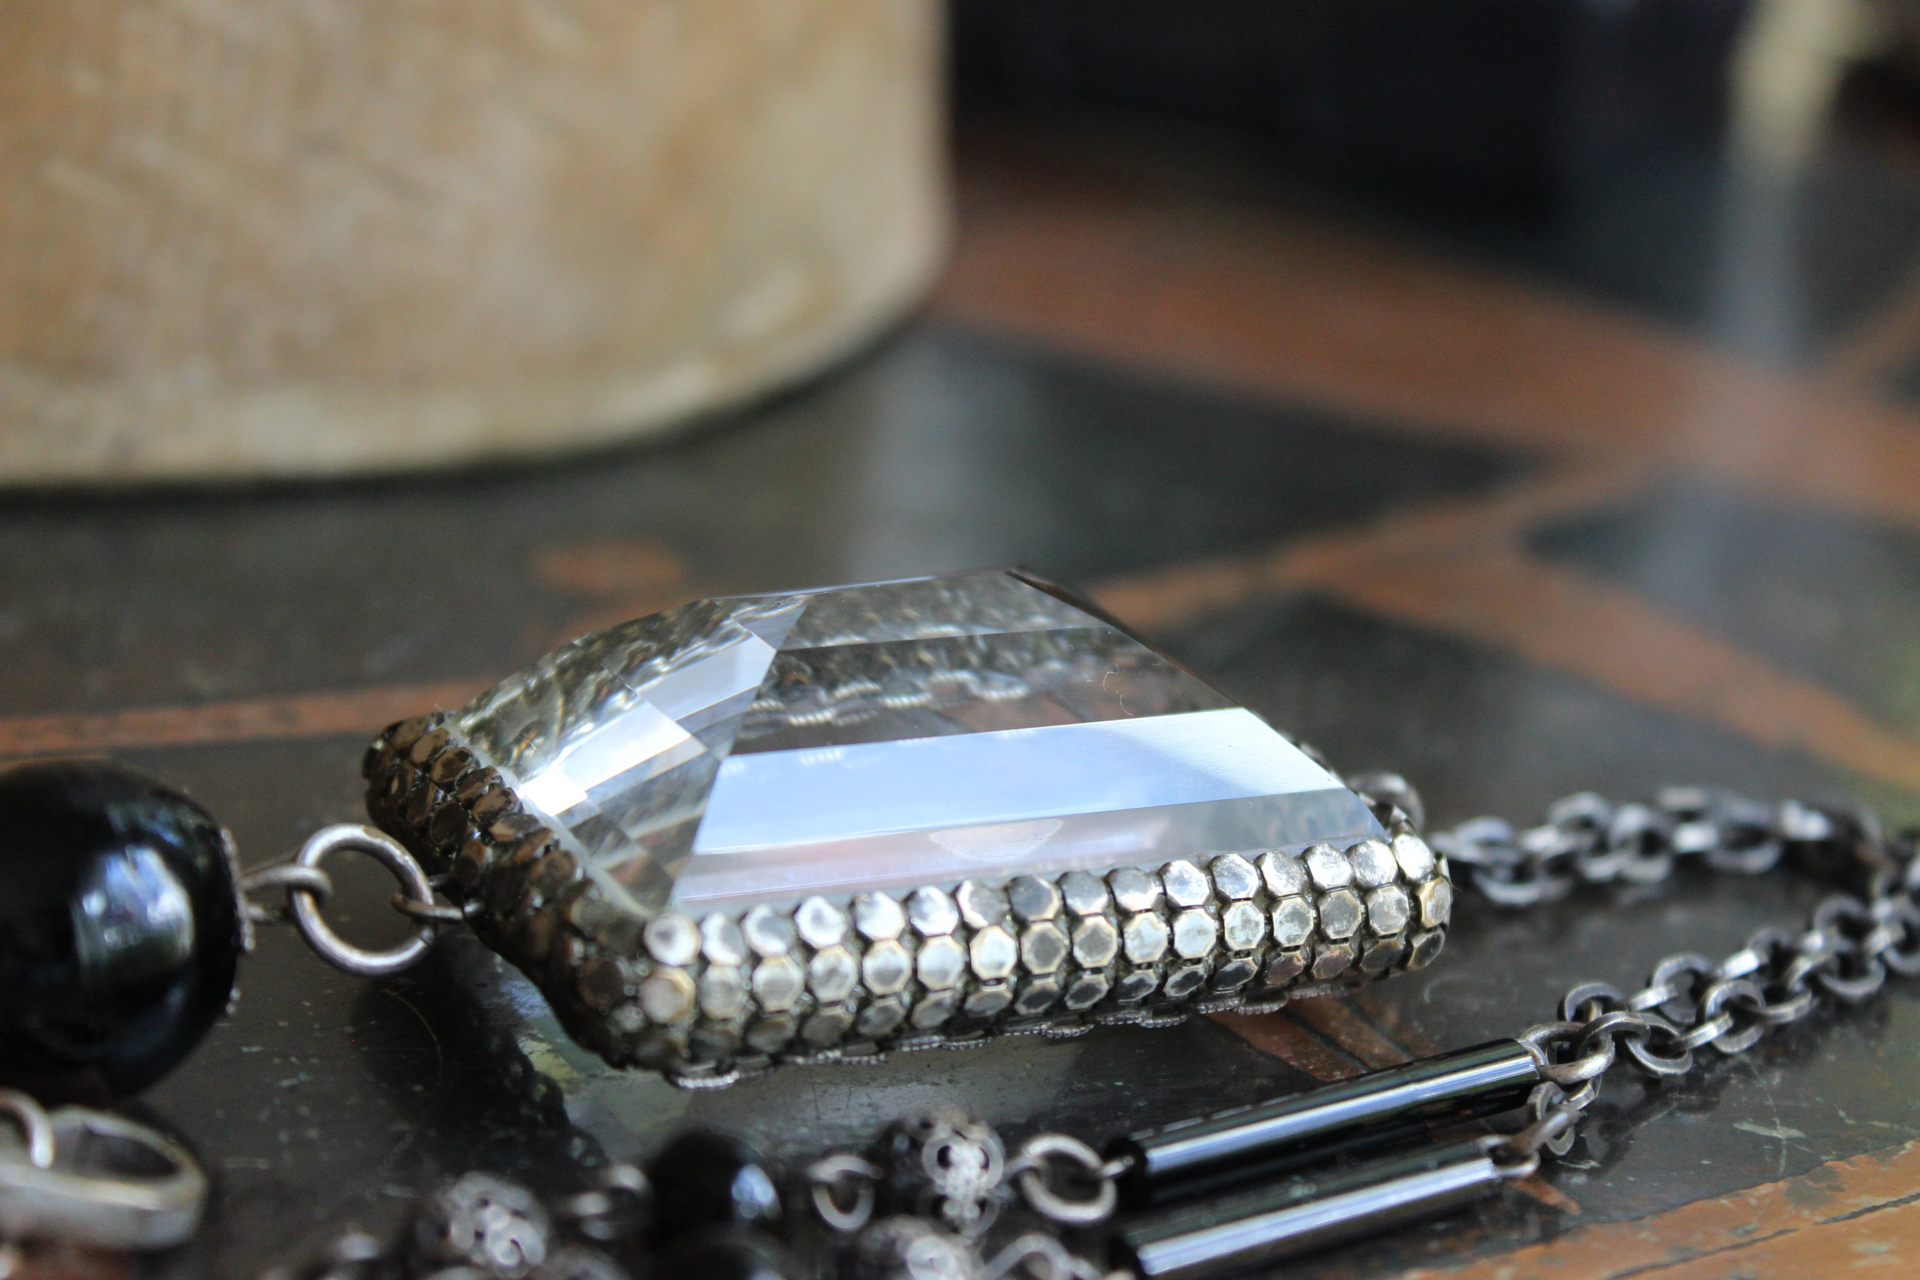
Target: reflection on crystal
907,689
888,736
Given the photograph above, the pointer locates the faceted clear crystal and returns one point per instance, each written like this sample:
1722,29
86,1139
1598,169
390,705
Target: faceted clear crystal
974,726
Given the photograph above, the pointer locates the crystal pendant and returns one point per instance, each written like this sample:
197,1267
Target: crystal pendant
774,826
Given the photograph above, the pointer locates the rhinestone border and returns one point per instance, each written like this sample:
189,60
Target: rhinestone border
711,999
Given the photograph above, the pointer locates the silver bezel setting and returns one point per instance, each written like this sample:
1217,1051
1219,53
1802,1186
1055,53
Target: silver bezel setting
710,998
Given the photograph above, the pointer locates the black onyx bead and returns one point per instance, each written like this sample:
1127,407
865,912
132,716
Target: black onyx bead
120,928
711,1180
727,1255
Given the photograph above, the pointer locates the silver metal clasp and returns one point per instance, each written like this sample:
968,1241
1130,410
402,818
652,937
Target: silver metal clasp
95,1178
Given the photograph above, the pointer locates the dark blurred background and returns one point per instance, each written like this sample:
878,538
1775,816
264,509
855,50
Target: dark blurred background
1503,104
1741,165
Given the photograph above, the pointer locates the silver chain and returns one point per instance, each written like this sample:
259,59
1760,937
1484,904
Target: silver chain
1851,943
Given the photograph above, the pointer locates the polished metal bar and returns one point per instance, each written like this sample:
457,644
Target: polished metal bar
1301,1215
1202,1156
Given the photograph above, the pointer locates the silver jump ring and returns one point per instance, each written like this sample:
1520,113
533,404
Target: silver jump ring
1712,1029
1593,1044
1511,1163
827,1175
34,1126
1574,1006
1546,1099
1652,1061
330,946
1541,1039
1032,1180
1617,1025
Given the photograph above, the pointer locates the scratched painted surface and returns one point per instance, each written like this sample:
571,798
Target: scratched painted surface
1852,1217
1481,527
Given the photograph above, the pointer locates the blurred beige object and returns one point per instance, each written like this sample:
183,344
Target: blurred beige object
310,237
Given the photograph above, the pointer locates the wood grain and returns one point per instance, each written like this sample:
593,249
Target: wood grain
1858,1217
307,716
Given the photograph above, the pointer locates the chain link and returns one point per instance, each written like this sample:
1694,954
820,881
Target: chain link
1852,942
1043,1154
842,1187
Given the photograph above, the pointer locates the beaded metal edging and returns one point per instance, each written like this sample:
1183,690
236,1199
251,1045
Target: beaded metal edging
709,1000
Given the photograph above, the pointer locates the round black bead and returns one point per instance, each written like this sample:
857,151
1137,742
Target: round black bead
738,1254
120,928
709,1180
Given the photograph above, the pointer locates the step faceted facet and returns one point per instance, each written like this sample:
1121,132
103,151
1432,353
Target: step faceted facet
763,748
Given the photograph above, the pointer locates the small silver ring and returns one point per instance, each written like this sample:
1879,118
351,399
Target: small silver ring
1582,1069
1044,1200
1548,1098
330,946
1539,1040
1617,1025
1707,1032
1575,1002
1499,1150
1793,1007
1650,1060
34,1126
1854,988
828,1174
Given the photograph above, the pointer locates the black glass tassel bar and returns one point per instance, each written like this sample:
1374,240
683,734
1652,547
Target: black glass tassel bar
1304,1214
1200,1157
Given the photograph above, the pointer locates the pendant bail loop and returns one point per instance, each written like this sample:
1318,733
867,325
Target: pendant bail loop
98,1179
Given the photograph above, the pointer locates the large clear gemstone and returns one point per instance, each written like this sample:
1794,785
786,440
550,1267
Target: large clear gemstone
761,748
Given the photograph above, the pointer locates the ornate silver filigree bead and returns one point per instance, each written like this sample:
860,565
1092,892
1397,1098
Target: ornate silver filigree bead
949,1166
487,1223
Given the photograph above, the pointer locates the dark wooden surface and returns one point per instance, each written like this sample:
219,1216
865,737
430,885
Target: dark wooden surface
1500,512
